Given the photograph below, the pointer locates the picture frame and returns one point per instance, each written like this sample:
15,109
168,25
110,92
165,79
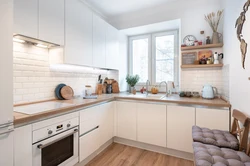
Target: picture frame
188,58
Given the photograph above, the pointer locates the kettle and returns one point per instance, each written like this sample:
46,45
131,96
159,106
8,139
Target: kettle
208,92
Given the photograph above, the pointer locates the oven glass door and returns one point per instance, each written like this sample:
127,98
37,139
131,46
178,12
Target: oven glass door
57,150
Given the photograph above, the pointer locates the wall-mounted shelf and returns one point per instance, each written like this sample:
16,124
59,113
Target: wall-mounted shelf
202,47
201,66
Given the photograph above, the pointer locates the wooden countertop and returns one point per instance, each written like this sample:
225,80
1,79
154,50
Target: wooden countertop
79,103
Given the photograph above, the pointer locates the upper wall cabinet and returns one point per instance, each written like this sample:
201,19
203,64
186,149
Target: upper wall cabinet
40,19
51,21
78,33
99,44
26,17
112,47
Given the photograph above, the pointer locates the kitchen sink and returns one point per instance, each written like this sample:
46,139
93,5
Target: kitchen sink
155,96
149,96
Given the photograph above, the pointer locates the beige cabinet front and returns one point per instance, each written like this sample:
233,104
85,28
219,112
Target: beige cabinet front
212,118
126,120
151,124
179,127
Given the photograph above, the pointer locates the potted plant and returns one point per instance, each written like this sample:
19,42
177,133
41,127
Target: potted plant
214,21
132,81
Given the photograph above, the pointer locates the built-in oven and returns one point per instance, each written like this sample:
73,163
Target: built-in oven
59,148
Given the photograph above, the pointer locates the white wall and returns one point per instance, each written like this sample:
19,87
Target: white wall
191,13
123,61
238,77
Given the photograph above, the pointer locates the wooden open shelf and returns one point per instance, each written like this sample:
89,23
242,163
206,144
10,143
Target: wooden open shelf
201,66
202,47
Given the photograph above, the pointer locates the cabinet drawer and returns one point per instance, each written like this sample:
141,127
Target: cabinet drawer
89,113
88,125
89,143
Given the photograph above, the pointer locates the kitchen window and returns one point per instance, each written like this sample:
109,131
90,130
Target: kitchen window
154,57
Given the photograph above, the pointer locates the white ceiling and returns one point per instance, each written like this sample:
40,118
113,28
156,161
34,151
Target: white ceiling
110,8
157,27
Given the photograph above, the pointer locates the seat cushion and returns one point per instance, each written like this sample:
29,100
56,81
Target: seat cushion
209,155
222,139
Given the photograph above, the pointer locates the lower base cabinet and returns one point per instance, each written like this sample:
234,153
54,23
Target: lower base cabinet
213,118
151,124
179,127
88,144
23,146
106,122
126,120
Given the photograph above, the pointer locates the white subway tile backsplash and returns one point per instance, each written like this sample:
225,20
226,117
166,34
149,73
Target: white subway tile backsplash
35,79
194,80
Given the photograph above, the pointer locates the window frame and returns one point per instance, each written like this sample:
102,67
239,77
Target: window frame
131,54
176,53
152,55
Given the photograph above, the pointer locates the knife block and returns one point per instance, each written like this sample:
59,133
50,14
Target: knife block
99,89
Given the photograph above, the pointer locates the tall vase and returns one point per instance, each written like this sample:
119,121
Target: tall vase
215,38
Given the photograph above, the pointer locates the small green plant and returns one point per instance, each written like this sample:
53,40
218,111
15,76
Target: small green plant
132,80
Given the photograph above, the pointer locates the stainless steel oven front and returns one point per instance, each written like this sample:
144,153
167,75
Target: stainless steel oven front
60,148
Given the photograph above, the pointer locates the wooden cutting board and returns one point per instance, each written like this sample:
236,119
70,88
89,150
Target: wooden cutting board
67,92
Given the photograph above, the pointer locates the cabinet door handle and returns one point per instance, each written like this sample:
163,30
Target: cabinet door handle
89,131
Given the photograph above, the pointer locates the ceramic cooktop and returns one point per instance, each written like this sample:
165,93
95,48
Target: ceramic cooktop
41,107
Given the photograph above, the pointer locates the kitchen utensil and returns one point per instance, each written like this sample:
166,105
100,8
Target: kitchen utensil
216,58
208,92
99,79
57,91
67,92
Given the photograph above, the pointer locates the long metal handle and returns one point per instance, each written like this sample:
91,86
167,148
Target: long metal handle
41,146
6,125
6,132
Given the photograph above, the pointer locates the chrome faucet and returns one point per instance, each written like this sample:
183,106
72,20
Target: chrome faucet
147,84
166,87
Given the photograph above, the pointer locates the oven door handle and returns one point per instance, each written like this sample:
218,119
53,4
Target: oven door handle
41,146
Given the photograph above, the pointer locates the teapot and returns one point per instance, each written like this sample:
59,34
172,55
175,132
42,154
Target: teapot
208,92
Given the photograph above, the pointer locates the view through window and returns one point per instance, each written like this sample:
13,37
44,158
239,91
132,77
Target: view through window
154,57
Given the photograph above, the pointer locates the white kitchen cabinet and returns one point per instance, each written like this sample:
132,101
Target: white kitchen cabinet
23,146
179,128
89,119
26,17
126,120
78,33
112,47
151,124
212,118
51,21
88,144
99,43
106,119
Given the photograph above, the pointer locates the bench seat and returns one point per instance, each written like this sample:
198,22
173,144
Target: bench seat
222,139
209,155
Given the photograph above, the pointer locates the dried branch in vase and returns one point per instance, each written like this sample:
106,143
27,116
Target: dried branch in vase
214,19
